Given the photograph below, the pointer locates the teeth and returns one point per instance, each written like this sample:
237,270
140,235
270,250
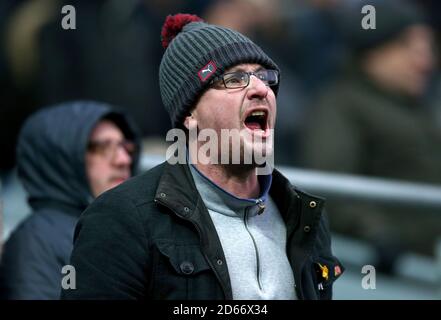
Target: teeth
258,113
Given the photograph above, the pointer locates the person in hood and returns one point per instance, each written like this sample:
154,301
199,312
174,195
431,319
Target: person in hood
67,156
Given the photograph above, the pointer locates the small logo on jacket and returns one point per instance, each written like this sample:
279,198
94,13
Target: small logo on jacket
206,72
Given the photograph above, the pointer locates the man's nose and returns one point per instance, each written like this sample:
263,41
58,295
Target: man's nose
122,157
257,88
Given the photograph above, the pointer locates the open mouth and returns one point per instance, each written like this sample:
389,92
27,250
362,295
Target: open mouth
257,120
119,179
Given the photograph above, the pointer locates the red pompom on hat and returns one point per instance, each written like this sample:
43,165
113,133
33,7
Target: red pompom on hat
174,24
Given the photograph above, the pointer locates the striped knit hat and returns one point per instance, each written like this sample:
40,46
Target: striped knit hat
195,53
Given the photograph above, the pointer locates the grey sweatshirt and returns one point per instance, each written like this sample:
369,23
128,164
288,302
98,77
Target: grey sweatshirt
254,244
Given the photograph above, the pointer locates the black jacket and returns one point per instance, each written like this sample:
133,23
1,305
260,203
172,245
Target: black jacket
152,238
51,165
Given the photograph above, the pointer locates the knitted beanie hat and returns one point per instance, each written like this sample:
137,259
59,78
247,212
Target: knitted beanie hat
196,52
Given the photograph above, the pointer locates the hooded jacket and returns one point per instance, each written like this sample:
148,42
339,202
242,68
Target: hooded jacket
51,165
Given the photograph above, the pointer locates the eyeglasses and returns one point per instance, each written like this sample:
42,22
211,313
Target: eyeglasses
109,148
241,79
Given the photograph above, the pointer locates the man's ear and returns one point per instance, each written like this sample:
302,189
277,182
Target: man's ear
187,120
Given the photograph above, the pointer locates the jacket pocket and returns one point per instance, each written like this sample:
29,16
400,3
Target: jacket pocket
186,260
181,272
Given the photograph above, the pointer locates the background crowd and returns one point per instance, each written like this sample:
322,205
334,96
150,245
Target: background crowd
364,102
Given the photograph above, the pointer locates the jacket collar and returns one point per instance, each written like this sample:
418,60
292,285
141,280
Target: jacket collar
177,190
298,208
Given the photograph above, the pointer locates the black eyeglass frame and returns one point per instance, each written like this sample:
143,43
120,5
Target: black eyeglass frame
246,76
109,148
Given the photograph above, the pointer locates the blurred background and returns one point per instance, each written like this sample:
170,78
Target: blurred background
359,111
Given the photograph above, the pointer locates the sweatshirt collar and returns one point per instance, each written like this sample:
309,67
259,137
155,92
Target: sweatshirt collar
219,200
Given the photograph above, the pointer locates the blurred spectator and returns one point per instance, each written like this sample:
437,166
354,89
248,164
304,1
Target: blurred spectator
373,121
433,8
113,55
20,22
312,42
1,228
67,156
